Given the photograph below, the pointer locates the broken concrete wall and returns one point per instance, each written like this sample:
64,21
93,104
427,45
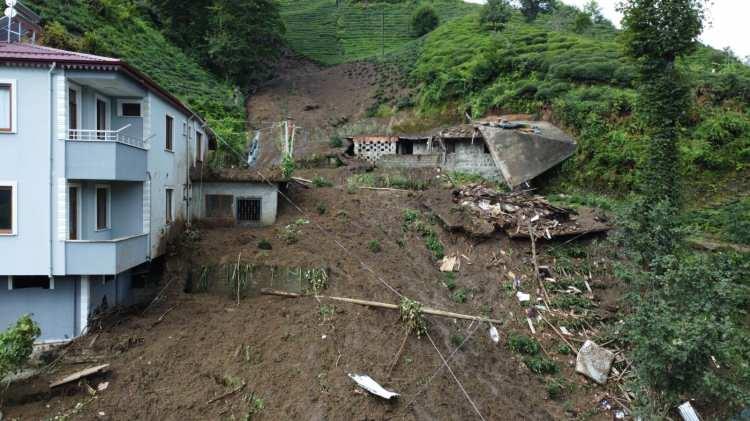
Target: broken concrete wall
522,155
469,157
410,161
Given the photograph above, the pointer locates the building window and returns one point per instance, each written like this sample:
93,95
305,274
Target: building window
7,107
169,135
73,211
8,208
199,146
25,282
129,108
169,217
102,117
72,109
219,205
102,207
248,209
450,147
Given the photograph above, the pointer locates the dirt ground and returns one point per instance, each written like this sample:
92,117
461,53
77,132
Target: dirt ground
315,96
173,359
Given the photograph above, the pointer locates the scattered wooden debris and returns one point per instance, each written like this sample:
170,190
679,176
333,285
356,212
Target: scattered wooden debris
230,393
450,264
425,310
512,213
79,375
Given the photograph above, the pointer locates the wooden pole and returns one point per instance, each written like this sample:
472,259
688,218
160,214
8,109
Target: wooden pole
425,310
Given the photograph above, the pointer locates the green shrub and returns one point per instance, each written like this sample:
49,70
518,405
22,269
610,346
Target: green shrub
374,246
16,345
697,313
556,388
540,365
321,208
523,344
264,244
449,280
457,339
424,20
336,142
460,295
319,182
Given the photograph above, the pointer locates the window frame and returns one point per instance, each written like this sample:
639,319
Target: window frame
168,205
96,207
169,134
13,208
198,146
79,212
107,111
11,83
122,102
79,103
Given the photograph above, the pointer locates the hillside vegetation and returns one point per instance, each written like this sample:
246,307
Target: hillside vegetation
119,29
585,82
332,34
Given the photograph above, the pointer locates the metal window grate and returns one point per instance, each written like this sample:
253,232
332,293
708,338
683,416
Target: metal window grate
219,205
248,209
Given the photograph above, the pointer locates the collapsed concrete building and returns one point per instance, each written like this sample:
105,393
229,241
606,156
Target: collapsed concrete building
515,151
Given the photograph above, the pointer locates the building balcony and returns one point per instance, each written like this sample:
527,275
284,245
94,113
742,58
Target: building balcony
105,257
105,155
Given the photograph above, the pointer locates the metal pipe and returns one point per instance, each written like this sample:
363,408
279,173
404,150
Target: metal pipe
51,167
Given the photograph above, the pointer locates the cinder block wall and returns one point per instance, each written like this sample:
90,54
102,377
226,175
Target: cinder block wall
267,194
470,158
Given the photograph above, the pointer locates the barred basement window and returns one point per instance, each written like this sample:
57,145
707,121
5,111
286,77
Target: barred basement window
248,209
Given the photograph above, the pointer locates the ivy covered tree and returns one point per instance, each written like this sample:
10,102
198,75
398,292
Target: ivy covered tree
531,8
424,20
245,40
495,14
656,34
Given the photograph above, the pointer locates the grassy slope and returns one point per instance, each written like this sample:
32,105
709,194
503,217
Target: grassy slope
117,29
321,31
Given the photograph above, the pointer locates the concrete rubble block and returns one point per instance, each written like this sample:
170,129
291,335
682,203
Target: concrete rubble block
594,362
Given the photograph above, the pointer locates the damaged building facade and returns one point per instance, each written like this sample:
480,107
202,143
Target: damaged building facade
495,149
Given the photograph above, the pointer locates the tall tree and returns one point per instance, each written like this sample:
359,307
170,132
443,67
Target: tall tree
245,40
594,11
495,14
531,8
424,20
185,23
656,34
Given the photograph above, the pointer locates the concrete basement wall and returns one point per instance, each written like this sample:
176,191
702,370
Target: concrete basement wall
267,194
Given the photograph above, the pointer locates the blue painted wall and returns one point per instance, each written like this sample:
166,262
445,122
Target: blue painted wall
53,309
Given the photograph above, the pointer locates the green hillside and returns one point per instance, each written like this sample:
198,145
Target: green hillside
331,34
584,82
118,29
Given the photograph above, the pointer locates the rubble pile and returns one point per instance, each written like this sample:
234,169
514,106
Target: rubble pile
515,212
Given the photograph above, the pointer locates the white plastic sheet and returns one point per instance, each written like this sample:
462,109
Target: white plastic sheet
370,385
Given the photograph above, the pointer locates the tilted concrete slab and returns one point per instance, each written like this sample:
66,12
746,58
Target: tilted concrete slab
527,149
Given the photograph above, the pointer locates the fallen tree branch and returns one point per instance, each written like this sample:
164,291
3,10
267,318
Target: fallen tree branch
231,392
425,310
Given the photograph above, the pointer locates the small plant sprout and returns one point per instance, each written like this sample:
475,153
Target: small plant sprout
412,317
317,278
374,246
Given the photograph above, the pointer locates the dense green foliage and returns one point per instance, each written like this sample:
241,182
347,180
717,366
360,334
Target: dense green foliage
424,20
16,345
495,14
531,8
244,40
689,329
331,34
239,40
122,29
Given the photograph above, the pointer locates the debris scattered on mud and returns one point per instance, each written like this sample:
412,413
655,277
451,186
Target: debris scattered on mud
594,362
370,385
482,210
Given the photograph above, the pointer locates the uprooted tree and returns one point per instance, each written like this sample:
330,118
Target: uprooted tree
16,345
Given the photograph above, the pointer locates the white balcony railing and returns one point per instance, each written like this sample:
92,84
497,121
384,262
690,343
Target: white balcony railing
117,136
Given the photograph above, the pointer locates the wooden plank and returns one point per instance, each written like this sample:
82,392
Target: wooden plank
79,375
